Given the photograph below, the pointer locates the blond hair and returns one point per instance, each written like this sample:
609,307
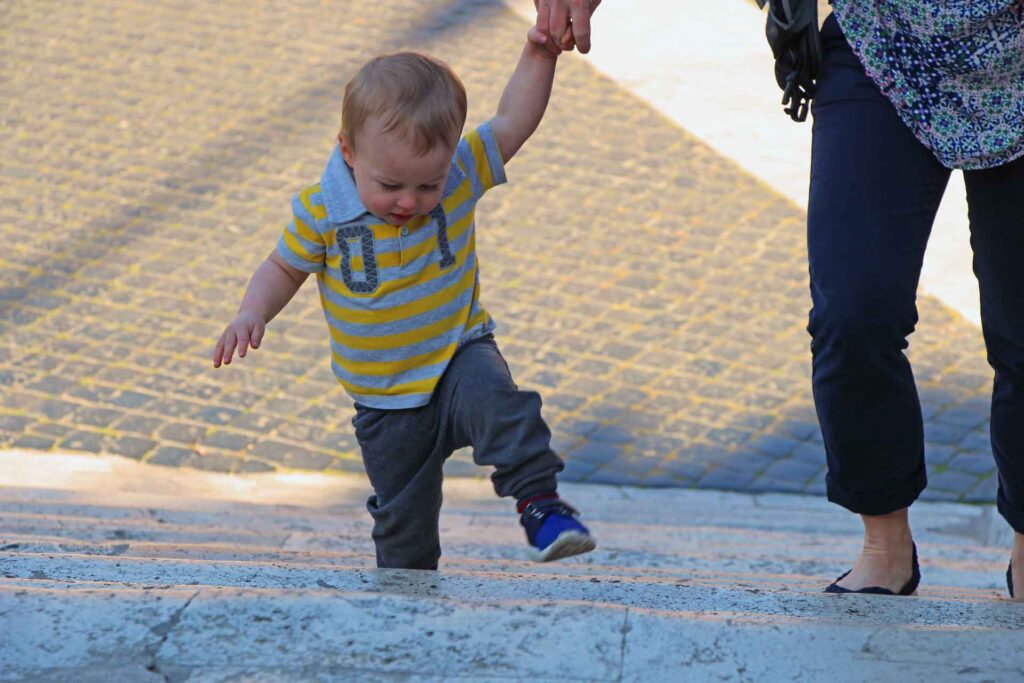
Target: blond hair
418,97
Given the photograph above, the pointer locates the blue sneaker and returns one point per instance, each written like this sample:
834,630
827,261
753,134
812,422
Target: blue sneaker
553,530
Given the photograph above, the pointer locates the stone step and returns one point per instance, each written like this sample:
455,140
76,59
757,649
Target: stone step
778,552
115,573
405,626
352,572
945,566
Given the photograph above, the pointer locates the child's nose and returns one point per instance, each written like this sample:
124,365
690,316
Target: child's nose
407,201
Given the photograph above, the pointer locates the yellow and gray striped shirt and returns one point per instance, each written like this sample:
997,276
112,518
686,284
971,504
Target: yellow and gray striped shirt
399,301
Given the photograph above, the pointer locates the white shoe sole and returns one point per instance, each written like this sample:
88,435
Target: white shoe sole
567,544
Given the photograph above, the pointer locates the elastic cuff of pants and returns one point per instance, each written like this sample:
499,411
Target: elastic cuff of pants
1015,518
523,502
879,502
540,483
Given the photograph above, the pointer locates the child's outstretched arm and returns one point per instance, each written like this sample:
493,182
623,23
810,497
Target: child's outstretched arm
272,286
526,96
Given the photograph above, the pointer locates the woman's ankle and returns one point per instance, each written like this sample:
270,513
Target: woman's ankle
888,533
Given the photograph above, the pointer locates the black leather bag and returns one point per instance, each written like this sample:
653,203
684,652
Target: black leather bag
792,31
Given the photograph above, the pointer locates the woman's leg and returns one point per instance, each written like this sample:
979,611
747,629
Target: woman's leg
996,200
874,193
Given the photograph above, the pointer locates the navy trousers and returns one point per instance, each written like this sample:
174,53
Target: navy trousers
875,190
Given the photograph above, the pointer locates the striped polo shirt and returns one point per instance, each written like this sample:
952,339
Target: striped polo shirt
399,301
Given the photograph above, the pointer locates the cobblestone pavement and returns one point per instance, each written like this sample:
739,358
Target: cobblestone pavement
654,293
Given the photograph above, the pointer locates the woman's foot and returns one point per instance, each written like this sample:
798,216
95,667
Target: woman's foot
1017,567
891,571
887,559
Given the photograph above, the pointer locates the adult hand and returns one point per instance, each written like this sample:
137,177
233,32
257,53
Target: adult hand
567,22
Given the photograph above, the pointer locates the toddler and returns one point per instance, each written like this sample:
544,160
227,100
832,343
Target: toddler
389,233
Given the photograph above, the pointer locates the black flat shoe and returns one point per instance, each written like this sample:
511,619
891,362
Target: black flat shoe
1009,579
908,589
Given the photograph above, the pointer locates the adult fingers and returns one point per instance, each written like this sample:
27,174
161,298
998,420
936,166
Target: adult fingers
558,20
581,24
568,42
543,16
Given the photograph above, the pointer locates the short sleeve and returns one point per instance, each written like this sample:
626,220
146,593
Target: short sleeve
480,159
302,245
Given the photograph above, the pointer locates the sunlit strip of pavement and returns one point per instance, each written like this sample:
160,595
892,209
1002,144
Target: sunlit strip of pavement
707,66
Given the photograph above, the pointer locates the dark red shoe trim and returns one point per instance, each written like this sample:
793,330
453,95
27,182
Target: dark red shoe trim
521,505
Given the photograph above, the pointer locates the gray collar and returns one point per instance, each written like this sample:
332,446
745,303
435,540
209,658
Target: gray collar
341,196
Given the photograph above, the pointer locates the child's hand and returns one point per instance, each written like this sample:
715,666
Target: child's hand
538,33
244,331
540,41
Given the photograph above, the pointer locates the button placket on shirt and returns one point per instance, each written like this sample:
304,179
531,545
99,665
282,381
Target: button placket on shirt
402,232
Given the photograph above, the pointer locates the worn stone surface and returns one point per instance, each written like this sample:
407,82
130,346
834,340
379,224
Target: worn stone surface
111,572
653,292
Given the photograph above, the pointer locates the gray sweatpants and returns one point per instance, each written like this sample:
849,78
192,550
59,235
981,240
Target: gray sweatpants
476,404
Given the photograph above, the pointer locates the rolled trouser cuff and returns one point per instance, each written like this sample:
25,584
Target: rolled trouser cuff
1013,516
878,502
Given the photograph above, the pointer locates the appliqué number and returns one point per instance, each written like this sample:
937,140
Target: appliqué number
447,258
346,237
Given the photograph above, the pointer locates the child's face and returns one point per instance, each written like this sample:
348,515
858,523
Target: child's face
395,183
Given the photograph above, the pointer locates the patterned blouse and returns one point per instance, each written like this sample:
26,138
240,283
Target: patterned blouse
954,69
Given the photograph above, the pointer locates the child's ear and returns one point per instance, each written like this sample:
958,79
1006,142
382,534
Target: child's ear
347,151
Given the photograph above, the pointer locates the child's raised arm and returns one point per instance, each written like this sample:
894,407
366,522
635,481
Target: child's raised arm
526,96
272,286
